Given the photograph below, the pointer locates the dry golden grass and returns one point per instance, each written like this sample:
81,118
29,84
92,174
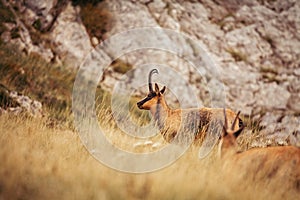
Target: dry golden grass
38,162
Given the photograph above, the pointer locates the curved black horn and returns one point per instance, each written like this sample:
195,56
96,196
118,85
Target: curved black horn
149,79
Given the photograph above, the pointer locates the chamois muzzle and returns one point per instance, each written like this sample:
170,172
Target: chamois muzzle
140,104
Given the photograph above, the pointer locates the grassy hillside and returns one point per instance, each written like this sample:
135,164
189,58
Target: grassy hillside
45,159
38,162
33,76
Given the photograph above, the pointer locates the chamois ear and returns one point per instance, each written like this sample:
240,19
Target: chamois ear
156,88
237,133
163,90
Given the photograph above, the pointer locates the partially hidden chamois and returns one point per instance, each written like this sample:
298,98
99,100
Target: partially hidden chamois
191,123
277,169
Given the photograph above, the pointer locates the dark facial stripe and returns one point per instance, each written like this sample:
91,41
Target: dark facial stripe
148,98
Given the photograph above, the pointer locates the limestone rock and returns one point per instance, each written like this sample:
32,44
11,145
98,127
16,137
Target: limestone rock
61,33
272,96
294,103
40,7
254,44
13,102
70,38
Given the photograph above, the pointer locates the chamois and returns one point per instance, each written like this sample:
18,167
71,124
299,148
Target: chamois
191,122
276,168
230,136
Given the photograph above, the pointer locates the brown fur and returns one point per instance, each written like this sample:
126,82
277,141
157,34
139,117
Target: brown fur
276,168
191,122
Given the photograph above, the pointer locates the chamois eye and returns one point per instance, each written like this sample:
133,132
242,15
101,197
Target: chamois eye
151,95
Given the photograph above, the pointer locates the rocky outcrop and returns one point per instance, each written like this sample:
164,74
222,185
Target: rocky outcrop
15,103
52,29
254,47
69,33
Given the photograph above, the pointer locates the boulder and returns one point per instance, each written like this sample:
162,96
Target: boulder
70,39
13,102
51,29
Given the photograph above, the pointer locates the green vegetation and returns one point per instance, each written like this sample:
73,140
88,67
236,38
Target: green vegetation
32,75
120,66
49,83
5,99
97,19
6,17
37,24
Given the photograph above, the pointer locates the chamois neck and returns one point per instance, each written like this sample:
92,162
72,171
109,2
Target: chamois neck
160,111
160,106
228,146
164,104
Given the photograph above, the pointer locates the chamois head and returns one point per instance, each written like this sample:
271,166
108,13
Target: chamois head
229,134
154,96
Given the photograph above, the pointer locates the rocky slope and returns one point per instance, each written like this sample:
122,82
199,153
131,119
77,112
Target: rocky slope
52,29
255,46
